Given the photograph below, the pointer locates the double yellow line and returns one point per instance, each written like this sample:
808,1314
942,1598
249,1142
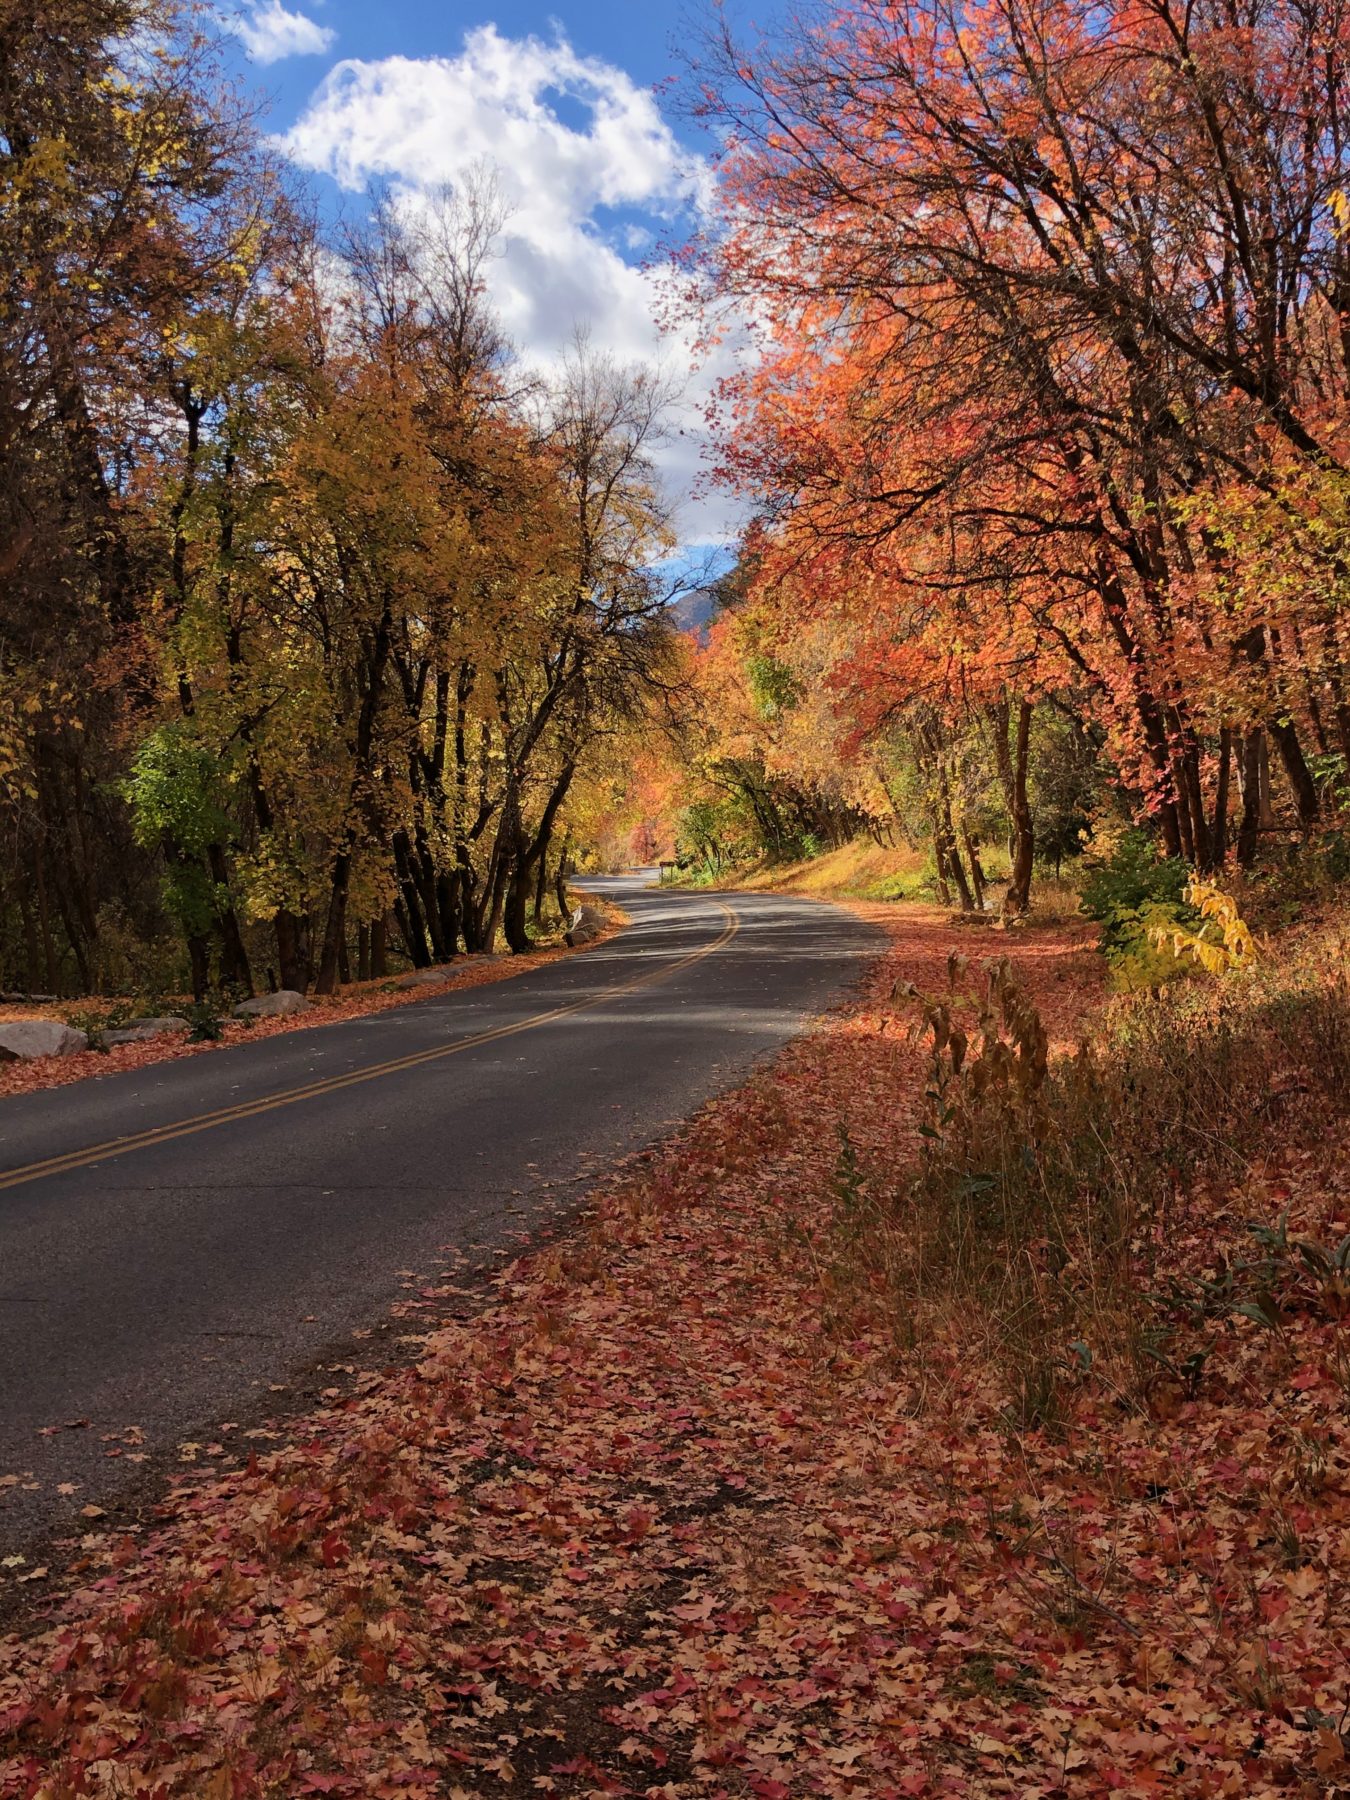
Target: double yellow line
317,1090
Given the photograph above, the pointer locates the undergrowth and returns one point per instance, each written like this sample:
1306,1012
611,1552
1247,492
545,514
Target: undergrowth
1042,1204
1134,894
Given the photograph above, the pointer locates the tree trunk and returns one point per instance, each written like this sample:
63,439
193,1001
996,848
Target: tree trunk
423,866
493,910
560,883
30,943
977,878
540,890
234,966
1013,767
949,849
45,922
335,930
529,856
292,954
199,951
447,906
288,926
516,912
1192,799
405,930
467,882
1253,646
410,919
1265,805
1297,771
1250,828
944,892
1181,813
1218,833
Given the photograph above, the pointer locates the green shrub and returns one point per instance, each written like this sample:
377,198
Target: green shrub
1133,893
1131,877
208,1026
175,793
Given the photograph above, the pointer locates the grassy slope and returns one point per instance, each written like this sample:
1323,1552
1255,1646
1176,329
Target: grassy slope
862,870
866,871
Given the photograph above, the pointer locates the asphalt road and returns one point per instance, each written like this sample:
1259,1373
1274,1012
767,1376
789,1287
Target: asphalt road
265,1198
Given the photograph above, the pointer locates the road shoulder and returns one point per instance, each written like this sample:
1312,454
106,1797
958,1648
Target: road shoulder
358,1000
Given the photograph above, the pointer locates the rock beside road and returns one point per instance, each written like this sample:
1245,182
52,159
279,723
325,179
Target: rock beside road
22,1040
417,978
588,922
273,1006
144,1031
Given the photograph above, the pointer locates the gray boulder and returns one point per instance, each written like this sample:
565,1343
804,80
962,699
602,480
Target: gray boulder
273,1006
418,978
588,922
23,1039
144,1031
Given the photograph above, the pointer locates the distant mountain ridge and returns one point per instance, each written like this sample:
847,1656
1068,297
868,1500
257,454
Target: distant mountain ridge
695,611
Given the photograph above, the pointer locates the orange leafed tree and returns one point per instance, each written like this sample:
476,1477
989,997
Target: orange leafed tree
1050,300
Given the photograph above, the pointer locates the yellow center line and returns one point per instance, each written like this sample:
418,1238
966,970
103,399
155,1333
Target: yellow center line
316,1090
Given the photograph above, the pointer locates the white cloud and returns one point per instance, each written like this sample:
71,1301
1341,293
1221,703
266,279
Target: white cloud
269,32
579,150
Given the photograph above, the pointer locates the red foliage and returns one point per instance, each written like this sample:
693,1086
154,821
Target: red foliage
1031,409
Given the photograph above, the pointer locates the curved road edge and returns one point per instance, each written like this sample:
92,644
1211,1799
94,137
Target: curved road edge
176,1281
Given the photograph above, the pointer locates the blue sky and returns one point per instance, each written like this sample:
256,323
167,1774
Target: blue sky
595,164
638,38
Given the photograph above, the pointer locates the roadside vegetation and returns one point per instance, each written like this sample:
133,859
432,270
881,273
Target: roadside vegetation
123,1035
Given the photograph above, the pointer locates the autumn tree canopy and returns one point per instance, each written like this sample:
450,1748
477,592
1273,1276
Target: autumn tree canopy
1051,405
321,616
316,604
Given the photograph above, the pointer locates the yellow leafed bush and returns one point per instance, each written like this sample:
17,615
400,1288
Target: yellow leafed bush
1224,941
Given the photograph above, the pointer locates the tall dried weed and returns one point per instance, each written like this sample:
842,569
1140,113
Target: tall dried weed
1040,1208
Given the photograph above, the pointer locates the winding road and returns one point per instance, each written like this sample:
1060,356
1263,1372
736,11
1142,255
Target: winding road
179,1241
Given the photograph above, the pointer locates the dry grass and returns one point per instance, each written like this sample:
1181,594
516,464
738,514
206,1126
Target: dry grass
1044,1197
861,870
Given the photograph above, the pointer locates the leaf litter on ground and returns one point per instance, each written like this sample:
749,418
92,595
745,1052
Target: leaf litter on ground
678,1513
